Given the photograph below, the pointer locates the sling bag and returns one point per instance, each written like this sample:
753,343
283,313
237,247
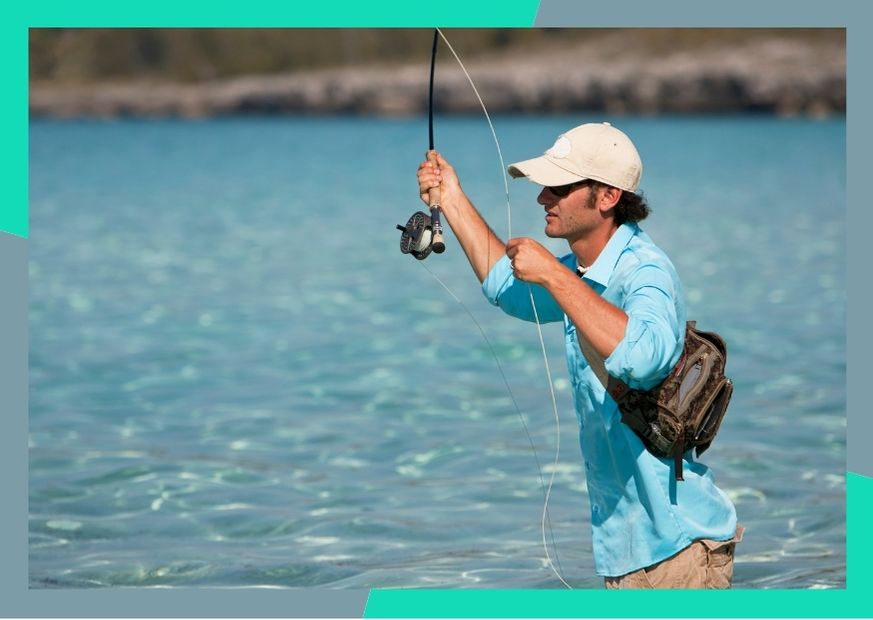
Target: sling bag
683,412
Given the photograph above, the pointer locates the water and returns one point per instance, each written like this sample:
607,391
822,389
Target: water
237,379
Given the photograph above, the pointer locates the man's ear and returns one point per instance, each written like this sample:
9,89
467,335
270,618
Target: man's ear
609,197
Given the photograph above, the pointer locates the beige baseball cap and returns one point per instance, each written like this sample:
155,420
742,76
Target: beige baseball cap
596,151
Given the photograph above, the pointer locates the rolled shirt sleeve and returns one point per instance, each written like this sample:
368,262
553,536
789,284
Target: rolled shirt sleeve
513,296
652,343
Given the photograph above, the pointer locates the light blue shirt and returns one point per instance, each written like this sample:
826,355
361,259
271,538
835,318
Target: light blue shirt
640,514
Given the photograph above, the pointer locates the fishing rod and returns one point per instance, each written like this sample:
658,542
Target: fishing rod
423,233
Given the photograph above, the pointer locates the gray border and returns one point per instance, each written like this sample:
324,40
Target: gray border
694,14
13,391
18,601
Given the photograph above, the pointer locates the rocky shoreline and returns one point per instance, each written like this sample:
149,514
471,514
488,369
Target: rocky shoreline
777,76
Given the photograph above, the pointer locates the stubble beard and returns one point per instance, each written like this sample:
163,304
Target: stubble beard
574,232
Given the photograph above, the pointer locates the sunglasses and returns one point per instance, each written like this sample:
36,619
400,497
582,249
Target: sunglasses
562,191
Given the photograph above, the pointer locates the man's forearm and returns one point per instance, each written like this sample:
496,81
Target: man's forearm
601,323
482,247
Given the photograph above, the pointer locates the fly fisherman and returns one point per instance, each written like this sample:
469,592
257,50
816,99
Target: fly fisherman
620,299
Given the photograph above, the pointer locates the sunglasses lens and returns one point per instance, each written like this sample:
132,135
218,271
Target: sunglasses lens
562,191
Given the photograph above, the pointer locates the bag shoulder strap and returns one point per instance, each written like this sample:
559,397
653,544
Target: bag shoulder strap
616,388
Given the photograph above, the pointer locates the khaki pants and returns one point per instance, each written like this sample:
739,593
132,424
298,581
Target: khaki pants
702,564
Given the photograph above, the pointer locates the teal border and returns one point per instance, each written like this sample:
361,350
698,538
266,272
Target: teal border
851,602
13,128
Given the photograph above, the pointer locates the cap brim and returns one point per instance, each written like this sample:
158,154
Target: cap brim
543,172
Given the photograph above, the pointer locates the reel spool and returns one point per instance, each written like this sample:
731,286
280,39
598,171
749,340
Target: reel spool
417,235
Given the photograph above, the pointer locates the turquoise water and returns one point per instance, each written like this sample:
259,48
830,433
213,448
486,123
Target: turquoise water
236,379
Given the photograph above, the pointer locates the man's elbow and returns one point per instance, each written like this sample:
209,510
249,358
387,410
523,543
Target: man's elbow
650,358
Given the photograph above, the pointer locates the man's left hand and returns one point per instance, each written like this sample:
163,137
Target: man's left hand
531,261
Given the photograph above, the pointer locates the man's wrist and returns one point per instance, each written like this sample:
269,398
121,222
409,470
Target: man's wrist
449,202
558,279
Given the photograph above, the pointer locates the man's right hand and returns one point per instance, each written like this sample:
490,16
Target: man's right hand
435,171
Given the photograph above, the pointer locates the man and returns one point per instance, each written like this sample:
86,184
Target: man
620,300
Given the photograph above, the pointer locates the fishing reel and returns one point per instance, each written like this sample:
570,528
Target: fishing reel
422,234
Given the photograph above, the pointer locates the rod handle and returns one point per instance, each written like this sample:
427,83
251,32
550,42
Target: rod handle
433,201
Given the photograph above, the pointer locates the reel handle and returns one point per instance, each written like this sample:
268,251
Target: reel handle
433,201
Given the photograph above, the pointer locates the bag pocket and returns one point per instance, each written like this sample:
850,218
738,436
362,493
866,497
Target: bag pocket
713,414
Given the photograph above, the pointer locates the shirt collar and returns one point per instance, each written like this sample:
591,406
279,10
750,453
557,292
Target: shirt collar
603,266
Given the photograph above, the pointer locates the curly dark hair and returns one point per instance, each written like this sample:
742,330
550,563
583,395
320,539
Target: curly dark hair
630,207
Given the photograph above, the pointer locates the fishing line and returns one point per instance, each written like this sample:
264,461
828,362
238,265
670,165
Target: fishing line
493,133
499,366
548,492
